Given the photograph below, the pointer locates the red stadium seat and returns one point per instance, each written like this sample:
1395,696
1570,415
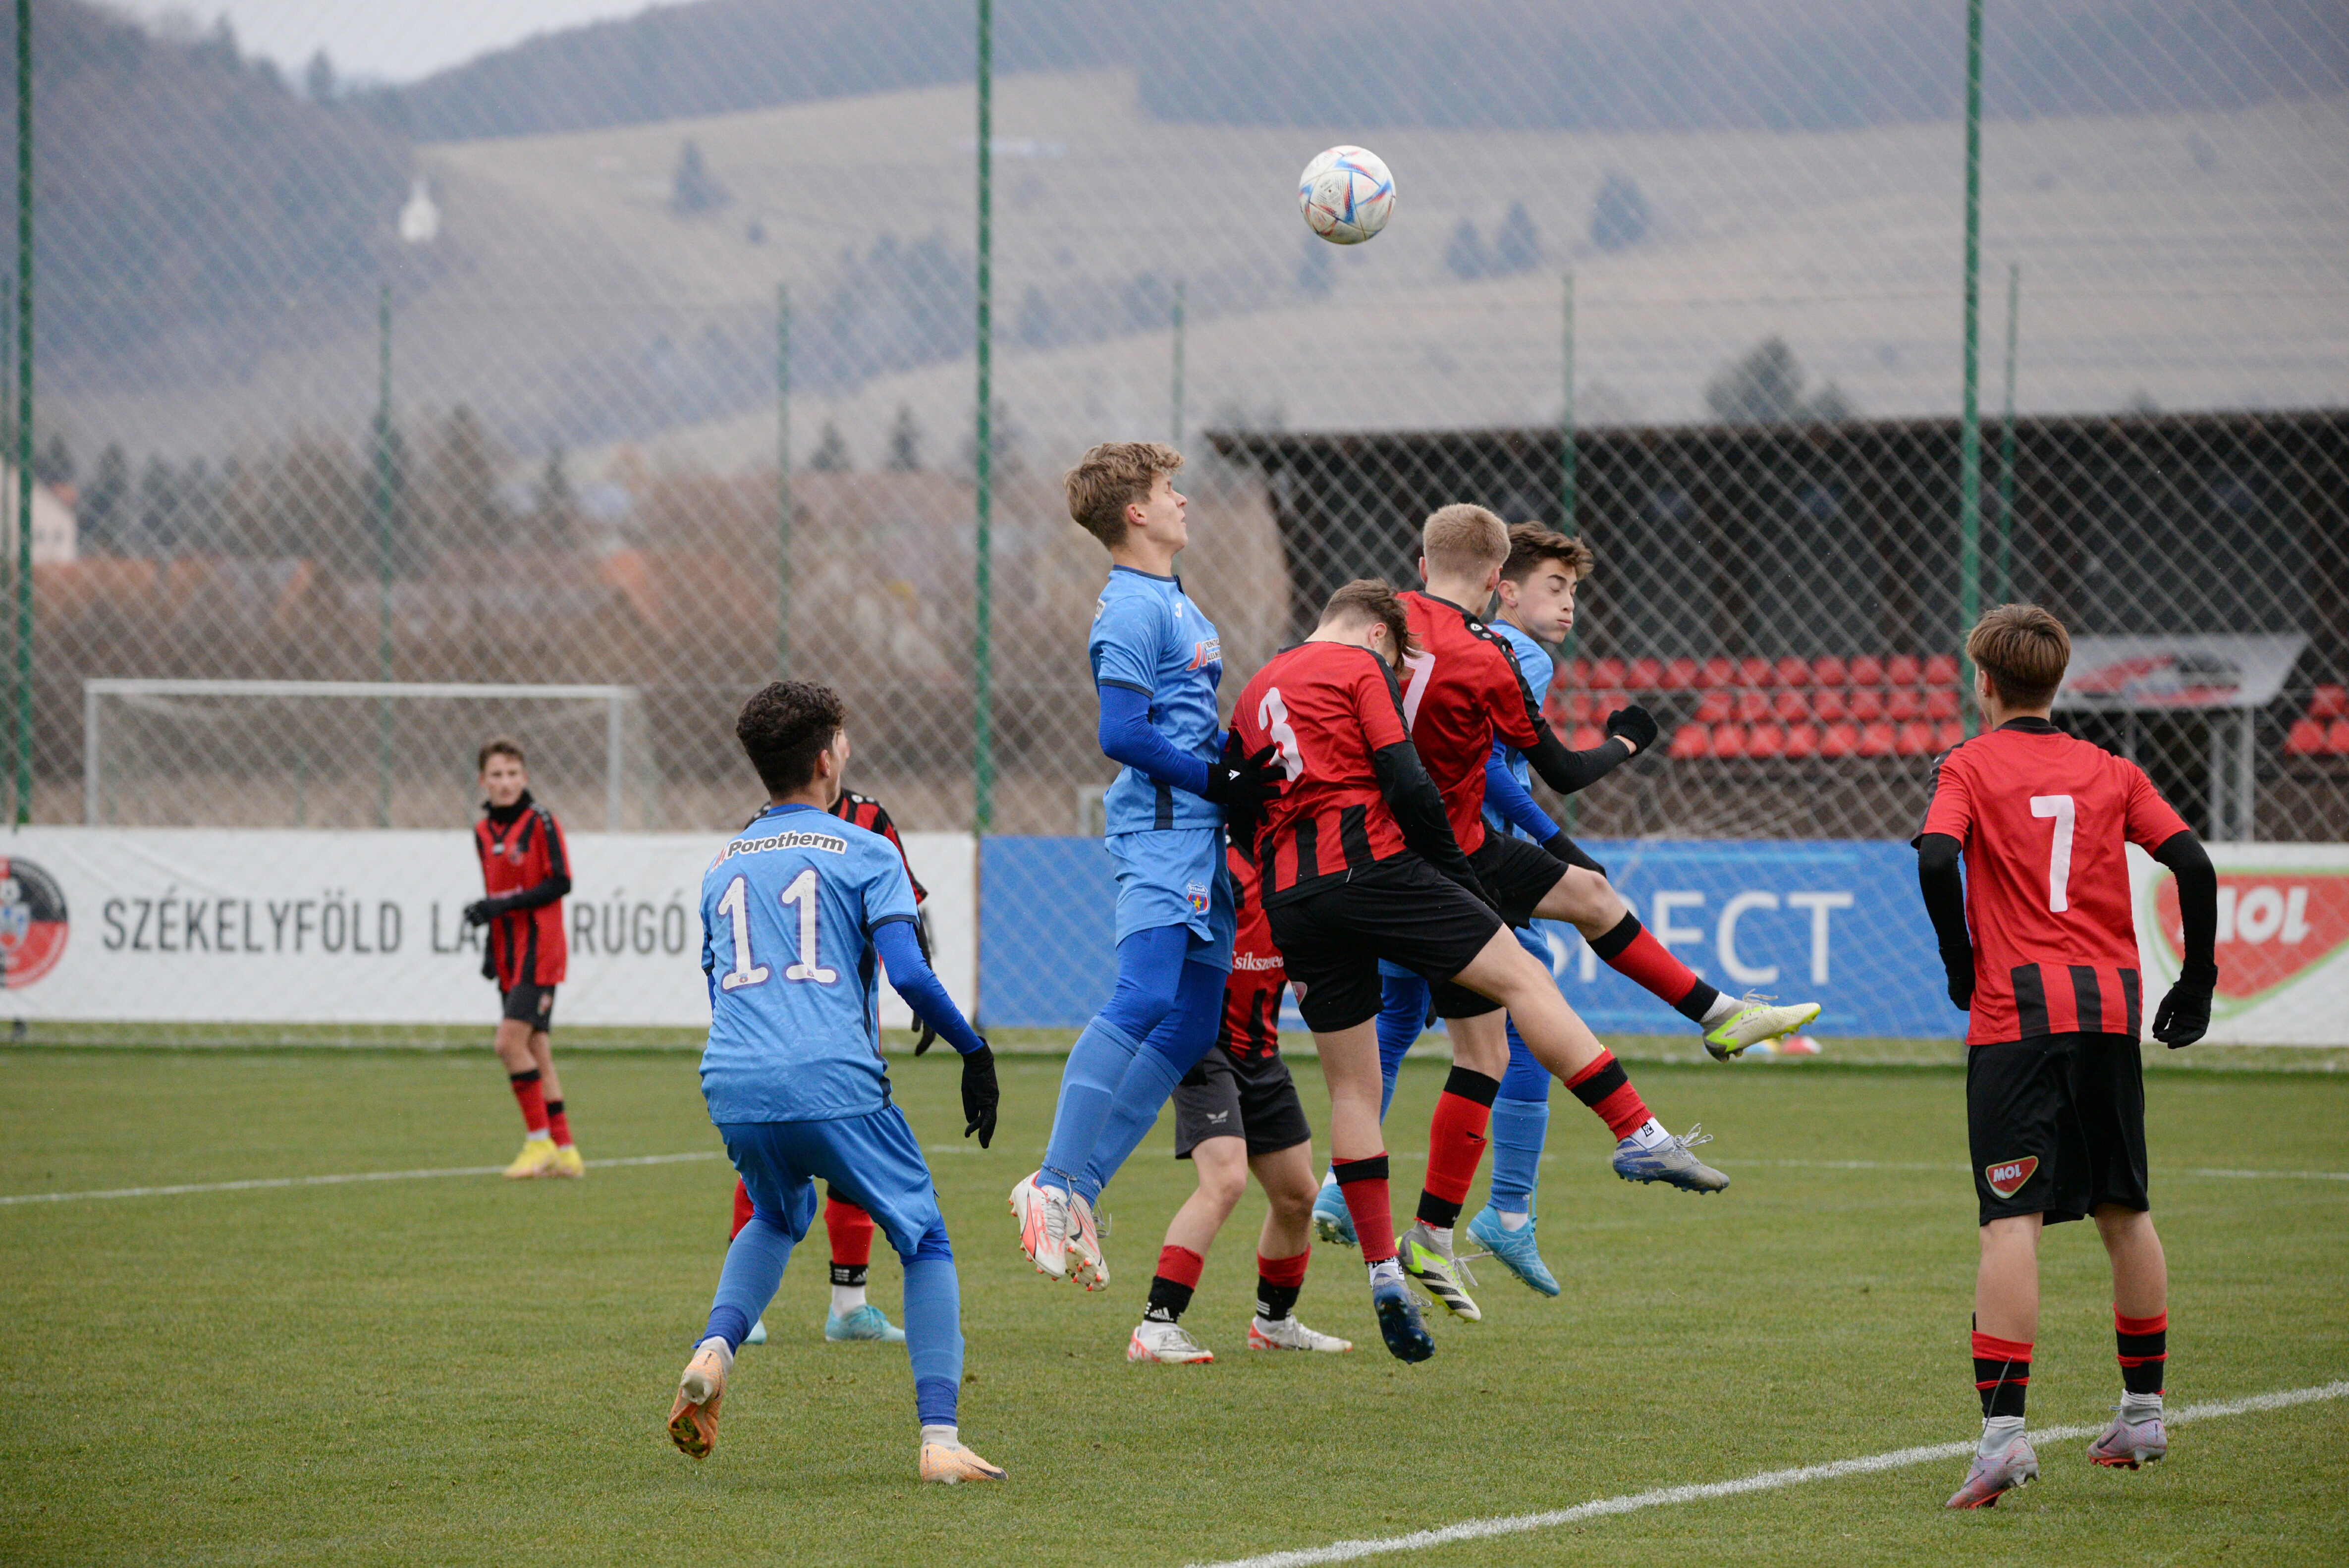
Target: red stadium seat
2330,702
1792,708
1940,705
1793,671
1828,671
1753,707
1729,740
2306,739
1587,736
1902,669
1606,672
1947,733
1830,704
1755,672
1902,705
1867,671
2336,737
1715,706
1802,740
1866,704
1916,740
1839,740
1645,675
1941,670
1876,739
1720,671
1578,672
1681,674
1691,740
1587,707
1765,740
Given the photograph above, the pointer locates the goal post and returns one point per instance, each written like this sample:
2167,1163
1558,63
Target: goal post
244,738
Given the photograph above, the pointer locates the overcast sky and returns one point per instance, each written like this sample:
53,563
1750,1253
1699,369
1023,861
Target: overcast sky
370,39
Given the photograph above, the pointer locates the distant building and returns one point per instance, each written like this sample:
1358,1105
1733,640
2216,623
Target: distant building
54,532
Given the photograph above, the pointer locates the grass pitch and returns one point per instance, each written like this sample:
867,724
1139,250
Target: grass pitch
464,1370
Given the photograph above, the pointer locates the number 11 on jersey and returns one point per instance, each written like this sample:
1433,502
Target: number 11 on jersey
735,905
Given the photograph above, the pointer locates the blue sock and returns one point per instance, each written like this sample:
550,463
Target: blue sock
1519,1128
1149,978
933,1335
754,1267
1172,1050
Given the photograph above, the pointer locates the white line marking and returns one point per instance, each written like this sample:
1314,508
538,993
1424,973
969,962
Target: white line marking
1768,1481
1960,1170
259,1184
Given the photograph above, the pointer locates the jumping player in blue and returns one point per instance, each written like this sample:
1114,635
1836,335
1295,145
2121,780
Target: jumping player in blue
795,911
1156,662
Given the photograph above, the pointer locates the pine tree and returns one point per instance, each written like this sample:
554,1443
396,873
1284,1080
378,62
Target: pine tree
831,454
1618,214
1465,257
905,443
1518,247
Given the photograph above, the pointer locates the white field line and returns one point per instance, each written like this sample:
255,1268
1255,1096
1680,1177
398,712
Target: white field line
1768,1481
263,1182
1960,1170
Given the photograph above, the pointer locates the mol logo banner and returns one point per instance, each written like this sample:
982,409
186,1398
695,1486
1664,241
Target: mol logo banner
2282,941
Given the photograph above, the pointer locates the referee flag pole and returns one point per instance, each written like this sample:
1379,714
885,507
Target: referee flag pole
982,652
1970,414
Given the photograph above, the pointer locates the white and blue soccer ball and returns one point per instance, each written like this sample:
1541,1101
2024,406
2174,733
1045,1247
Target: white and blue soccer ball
1347,195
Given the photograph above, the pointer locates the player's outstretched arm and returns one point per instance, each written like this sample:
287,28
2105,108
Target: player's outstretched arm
911,977
2184,1015
1945,903
1512,800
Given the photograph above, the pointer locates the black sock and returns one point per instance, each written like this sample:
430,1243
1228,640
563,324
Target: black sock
1168,1301
1273,1301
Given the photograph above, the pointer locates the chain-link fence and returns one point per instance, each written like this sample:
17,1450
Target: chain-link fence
474,379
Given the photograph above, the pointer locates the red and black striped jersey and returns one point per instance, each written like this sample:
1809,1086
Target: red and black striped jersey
1251,1026
1461,687
1328,707
870,815
521,854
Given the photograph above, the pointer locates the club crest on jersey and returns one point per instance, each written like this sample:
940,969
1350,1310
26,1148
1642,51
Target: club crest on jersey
2006,1178
1198,894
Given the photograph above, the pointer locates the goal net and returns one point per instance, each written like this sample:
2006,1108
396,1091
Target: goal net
351,754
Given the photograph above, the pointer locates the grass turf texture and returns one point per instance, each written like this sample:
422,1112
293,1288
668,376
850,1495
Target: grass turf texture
468,1370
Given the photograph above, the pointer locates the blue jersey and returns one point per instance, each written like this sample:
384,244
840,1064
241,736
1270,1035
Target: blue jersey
788,912
1148,637
1538,666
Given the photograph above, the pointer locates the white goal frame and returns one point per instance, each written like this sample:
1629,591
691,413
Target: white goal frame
94,690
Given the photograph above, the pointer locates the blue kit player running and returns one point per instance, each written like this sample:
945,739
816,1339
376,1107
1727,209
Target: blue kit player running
797,913
1156,662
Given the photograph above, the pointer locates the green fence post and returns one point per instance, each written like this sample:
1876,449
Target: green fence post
24,412
1970,414
982,651
2006,567
782,480
383,554
1175,419
1565,453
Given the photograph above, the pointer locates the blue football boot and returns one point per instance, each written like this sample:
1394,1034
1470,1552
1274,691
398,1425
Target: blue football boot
1331,1222
866,1322
1398,1323
1516,1250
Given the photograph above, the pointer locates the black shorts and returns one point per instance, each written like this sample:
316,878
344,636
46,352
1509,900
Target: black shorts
1251,1097
1519,874
2056,1126
1401,910
531,1005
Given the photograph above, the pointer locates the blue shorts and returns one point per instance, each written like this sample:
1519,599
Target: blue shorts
1175,876
872,1161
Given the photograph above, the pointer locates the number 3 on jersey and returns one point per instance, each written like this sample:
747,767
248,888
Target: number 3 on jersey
735,906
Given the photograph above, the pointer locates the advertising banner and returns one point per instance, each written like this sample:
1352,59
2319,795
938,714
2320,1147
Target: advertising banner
326,927
1839,923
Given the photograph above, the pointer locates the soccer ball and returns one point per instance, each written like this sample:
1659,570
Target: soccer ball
1346,194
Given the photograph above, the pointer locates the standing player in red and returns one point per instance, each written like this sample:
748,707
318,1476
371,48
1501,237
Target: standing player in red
2042,951
1358,863
1462,690
850,1228
525,872
1236,1113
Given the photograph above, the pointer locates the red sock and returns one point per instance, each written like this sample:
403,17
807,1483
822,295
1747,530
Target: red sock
742,1208
2002,1373
2143,1344
1631,952
851,1230
1182,1266
558,1124
1277,1281
532,1100
1363,1186
1606,1088
1455,1144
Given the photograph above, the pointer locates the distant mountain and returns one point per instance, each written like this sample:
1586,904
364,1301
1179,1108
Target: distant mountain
189,205
1602,64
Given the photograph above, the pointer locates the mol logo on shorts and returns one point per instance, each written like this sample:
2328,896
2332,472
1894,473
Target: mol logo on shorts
2007,1177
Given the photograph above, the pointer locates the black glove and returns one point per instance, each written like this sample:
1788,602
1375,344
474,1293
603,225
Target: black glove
480,912
1961,968
1636,725
981,1095
1242,785
929,1035
2183,1016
